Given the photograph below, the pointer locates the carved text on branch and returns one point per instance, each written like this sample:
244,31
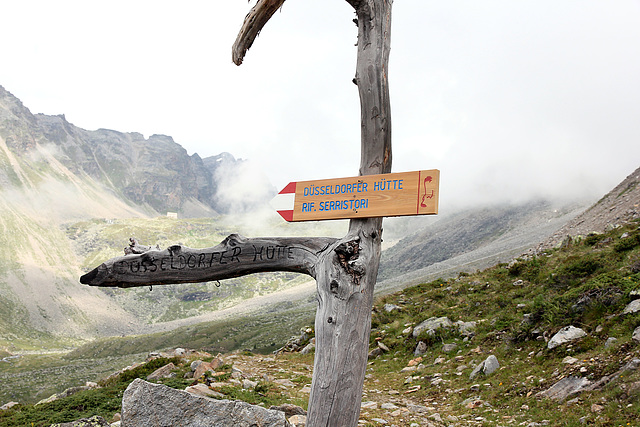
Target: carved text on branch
150,263
233,257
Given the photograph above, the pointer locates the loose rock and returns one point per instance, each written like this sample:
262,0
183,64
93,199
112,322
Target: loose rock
369,405
565,388
610,342
309,347
298,420
95,421
565,335
203,390
391,307
421,348
632,307
489,366
448,348
431,325
289,409
248,384
164,372
202,368
466,329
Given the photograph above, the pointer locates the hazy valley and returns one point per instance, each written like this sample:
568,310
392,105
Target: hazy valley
71,199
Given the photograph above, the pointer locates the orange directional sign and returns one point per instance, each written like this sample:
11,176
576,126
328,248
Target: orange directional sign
391,194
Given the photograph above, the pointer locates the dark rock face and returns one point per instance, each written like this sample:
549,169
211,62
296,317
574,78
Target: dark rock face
155,172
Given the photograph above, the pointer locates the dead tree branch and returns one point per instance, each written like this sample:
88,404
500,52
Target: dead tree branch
235,256
253,24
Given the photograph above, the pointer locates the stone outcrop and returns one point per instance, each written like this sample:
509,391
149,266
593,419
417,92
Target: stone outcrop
298,342
487,367
565,335
431,325
144,403
565,388
68,392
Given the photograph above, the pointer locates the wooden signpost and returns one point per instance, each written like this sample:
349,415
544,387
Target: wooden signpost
369,196
345,269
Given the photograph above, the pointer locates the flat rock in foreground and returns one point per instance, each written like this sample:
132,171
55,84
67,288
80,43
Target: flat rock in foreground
145,403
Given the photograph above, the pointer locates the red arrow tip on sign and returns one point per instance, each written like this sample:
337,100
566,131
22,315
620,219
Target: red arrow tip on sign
287,215
290,188
284,201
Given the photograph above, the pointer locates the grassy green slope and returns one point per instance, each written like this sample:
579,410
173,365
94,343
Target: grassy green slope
31,378
517,307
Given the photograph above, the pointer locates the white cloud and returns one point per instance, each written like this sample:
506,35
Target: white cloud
507,99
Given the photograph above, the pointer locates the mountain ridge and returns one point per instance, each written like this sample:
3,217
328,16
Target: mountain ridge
53,174
71,198
619,206
155,174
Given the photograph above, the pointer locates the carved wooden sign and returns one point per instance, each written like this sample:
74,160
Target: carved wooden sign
235,256
368,196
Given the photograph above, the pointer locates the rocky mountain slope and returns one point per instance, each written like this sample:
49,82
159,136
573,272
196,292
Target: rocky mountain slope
54,175
56,220
618,207
475,239
548,339
155,174
471,239
70,199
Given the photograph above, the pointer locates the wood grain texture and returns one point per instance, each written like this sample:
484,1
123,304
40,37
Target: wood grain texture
345,270
234,257
347,273
253,24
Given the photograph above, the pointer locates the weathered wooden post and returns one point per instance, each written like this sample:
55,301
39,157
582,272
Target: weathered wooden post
346,273
345,269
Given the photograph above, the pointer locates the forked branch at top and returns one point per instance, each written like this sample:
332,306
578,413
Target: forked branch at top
253,23
256,19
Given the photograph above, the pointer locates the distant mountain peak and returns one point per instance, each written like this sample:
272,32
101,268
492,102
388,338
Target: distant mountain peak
154,172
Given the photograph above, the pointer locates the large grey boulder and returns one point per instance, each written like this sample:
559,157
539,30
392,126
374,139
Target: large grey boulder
565,388
633,307
487,367
147,404
431,325
565,335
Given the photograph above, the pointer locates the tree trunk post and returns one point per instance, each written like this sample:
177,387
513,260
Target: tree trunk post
347,273
345,269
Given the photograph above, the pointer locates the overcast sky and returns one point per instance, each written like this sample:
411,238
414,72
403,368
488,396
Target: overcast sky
509,99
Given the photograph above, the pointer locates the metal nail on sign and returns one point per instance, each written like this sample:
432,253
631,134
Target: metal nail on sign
367,196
